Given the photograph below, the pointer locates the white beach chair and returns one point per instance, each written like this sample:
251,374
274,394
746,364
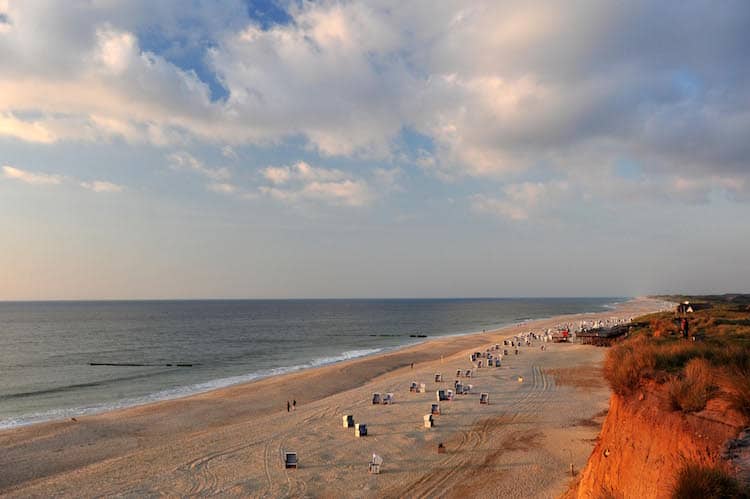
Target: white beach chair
388,399
422,388
428,421
375,463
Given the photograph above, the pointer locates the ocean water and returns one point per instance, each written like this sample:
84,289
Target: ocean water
47,348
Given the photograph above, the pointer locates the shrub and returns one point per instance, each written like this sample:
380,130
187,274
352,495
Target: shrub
695,481
626,364
739,396
692,391
661,327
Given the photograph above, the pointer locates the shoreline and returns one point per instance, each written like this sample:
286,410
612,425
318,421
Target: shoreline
148,449
180,392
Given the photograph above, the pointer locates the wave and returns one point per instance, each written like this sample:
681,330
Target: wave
169,394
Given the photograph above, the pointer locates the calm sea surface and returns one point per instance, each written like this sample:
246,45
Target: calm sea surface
46,348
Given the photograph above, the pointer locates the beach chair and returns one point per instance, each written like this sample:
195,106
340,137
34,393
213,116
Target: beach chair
440,394
348,420
290,460
497,362
435,409
441,448
479,364
376,398
484,398
375,463
520,379
458,373
505,351
428,421
459,389
438,378
388,399
468,373
468,388
360,430
413,386
422,388
449,395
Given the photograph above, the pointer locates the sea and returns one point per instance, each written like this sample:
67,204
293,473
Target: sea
66,359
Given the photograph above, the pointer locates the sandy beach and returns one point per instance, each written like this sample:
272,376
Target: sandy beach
229,442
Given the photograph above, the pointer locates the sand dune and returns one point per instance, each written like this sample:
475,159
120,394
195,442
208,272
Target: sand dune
229,442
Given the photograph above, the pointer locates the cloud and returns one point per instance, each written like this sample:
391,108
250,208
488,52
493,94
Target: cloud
28,177
30,131
184,161
497,88
102,186
520,201
389,179
35,178
223,188
302,182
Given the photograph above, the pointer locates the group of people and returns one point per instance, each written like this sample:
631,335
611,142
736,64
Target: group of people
291,406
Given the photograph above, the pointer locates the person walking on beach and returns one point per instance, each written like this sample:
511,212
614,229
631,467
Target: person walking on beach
288,407
294,405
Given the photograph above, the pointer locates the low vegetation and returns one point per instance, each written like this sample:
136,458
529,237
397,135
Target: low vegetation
713,362
694,481
691,391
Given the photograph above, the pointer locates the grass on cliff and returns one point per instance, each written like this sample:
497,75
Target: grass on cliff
716,364
695,481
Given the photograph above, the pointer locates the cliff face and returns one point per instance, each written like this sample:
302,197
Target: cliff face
643,444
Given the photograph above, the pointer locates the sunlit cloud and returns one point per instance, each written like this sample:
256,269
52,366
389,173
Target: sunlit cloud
186,162
102,186
302,182
28,177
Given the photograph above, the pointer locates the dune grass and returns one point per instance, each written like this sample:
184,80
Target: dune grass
695,481
716,364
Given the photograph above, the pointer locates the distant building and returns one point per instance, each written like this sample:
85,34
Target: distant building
685,308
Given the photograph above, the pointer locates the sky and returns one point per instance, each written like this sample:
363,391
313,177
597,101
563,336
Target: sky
295,149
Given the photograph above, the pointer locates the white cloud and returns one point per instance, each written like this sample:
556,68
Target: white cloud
184,161
28,177
302,182
30,131
497,87
223,188
521,201
102,186
389,179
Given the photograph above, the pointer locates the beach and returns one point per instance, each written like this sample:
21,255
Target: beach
230,441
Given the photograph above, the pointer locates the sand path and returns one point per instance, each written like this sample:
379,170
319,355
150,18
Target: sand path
229,442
